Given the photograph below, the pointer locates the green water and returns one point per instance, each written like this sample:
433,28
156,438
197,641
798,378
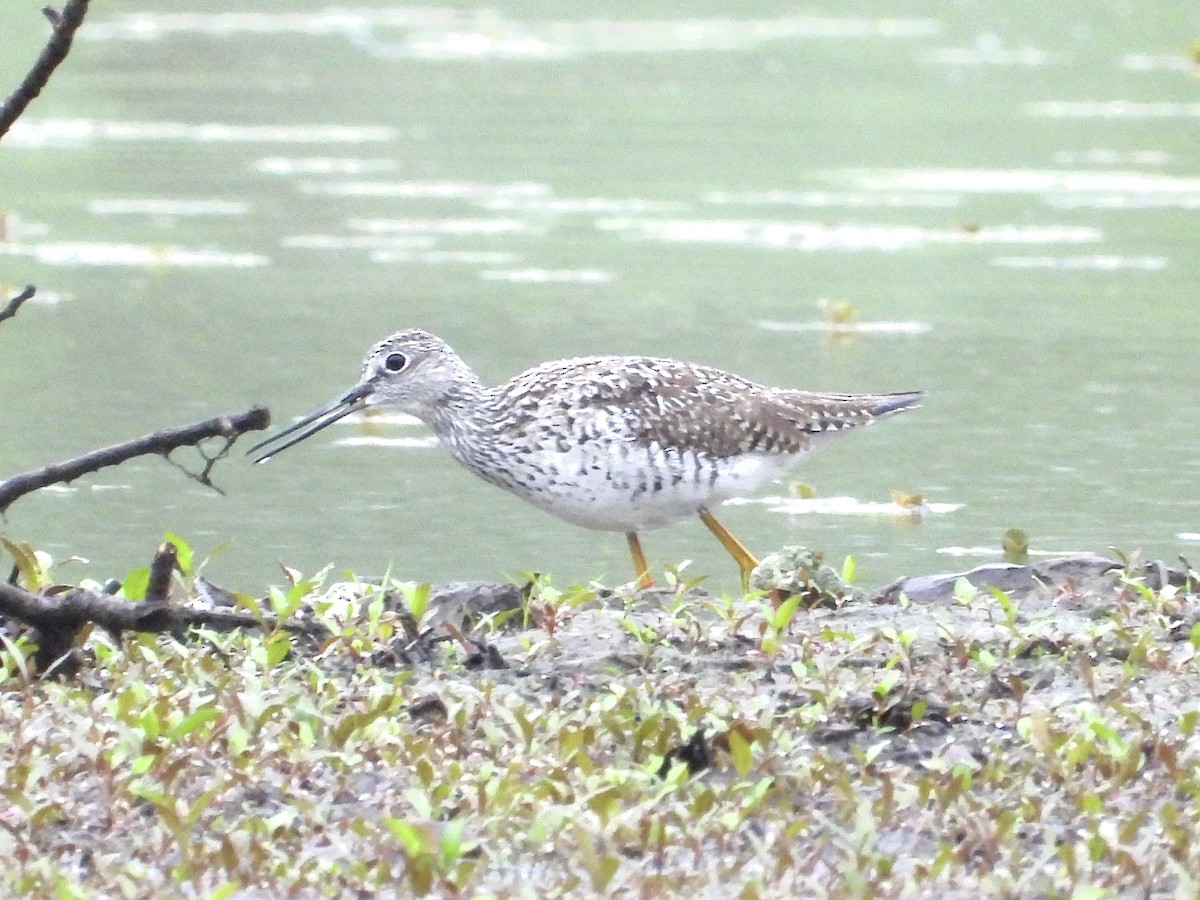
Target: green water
1017,188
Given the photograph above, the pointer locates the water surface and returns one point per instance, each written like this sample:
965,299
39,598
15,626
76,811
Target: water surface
226,207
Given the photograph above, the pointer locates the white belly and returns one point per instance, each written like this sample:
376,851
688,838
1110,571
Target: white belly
628,490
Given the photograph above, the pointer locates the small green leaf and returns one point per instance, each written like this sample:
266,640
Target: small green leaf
872,752
739,749
28,564
1006,603
887,681
150,723
183,553
416,598
64,890
452,844
135,584
279,645
780,619
192,721
964,591
410,837
283,605
17,653
299,591
849,569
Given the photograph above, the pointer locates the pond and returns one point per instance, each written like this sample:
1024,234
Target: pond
224,205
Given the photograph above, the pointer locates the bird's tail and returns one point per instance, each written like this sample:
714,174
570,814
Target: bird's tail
886,404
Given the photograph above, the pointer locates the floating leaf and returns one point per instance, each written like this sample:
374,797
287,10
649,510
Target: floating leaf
1015,544
906,500
839,312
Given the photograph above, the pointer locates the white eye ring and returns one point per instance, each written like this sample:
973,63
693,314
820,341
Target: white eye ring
395,362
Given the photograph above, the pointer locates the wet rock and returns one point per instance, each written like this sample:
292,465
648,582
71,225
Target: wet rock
466,602
1020,582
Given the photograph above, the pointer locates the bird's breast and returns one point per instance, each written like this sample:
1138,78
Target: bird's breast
620,485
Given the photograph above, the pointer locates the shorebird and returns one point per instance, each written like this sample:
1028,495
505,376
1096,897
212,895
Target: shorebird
612,443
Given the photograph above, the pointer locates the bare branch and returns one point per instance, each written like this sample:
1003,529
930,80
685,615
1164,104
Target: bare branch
11,307
158,589
58,619
161,442
65,25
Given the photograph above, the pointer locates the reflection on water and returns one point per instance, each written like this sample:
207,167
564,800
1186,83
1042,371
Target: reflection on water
548,276
848,327
439,33
166,207
321,165
1083,263
848,506
255,197
810,236
1114,109
988,50
34,132
83,253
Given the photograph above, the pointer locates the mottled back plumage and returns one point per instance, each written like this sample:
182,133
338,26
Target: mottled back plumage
665,402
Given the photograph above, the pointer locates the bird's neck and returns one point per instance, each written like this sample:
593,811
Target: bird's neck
460,415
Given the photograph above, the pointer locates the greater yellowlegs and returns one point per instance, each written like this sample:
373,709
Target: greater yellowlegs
613,443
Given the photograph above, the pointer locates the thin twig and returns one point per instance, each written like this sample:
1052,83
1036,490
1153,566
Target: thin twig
203,476
161,442
65,25
11,307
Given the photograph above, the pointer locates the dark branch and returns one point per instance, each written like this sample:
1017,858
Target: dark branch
65,25
162,442
11,307
158,589
58,619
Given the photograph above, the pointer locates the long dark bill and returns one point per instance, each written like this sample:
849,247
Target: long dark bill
351,401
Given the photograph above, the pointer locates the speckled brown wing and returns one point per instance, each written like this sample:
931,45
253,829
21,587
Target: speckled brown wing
685,406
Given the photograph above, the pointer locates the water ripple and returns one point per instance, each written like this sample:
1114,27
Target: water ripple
810,236
32,132
95,253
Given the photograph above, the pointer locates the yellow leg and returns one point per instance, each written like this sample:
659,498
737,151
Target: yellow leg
640,568
744,558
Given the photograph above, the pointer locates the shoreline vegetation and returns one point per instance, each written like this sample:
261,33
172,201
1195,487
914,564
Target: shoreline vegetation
1017,730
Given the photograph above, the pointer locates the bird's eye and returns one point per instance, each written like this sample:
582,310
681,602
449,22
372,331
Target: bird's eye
394,362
